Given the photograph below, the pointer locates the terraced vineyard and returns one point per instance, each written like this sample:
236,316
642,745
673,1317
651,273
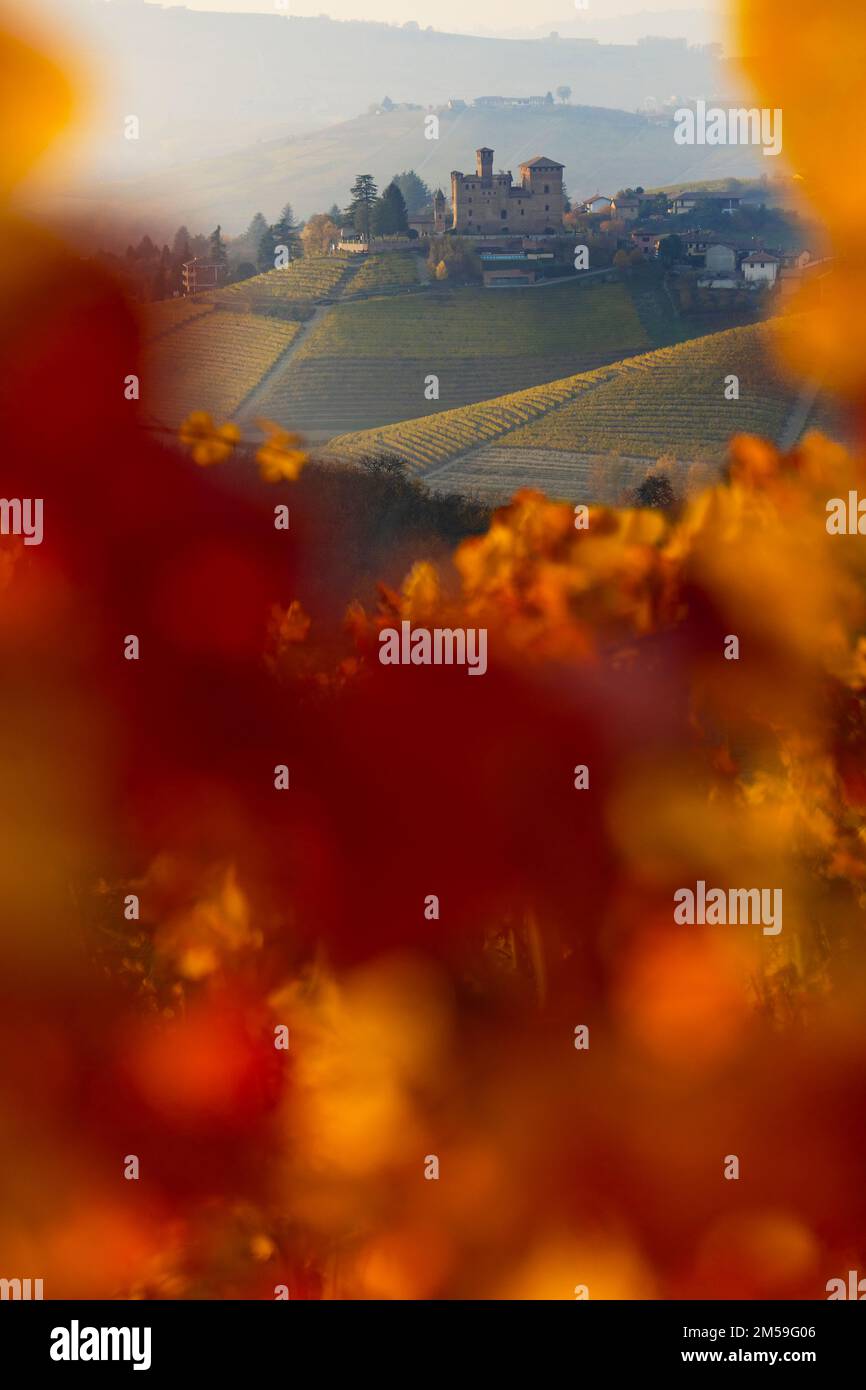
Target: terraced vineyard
309,278
429,442
565,435
211,363
366,363
433,440
168,314
494,473
672,401
390,271
328,396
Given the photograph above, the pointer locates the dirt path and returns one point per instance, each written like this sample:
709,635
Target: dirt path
250,406
798,416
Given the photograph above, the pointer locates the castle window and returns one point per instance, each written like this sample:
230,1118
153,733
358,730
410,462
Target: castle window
547,188
503,214
547,207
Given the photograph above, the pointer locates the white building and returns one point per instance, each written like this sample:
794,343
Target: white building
761,268
598,203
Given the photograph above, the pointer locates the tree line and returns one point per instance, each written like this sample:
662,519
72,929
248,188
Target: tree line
152,272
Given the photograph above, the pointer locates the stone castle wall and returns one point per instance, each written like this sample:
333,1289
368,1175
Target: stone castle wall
484,202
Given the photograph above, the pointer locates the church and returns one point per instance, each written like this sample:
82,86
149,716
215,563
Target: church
485,202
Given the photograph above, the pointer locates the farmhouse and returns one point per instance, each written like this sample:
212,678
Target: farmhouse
626,208
598,203
487,202
647,242
202,275
761,268
687,202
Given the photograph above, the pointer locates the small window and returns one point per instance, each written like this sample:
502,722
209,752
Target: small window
547,188
547,207
503,215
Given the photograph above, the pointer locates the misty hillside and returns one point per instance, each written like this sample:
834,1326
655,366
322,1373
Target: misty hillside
696,26
602,150
203,83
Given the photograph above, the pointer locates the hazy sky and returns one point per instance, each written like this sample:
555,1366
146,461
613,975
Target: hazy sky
460,14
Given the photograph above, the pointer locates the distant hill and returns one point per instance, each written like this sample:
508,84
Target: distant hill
691,25
602,149
202,83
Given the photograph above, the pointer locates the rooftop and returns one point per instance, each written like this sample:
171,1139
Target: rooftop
541,161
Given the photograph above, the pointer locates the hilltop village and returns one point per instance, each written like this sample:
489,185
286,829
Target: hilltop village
527,229
720,249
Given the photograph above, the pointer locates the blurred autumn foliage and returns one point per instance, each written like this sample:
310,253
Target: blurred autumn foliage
305,908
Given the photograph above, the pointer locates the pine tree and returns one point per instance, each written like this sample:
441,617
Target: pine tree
389,213
285,231
256,229
217,247
416,194
265,250
363,194
145,250
248,245
180,248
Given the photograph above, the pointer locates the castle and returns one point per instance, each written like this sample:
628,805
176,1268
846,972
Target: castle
485,202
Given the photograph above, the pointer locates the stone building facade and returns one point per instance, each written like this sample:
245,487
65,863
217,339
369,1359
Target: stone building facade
485,202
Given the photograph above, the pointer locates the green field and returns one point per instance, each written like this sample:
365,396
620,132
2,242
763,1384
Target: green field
306,279
366,364
211,363
393,270
623,417
476,322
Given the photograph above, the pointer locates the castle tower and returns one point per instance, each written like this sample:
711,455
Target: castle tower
484,162
541,178
487,204
439,211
